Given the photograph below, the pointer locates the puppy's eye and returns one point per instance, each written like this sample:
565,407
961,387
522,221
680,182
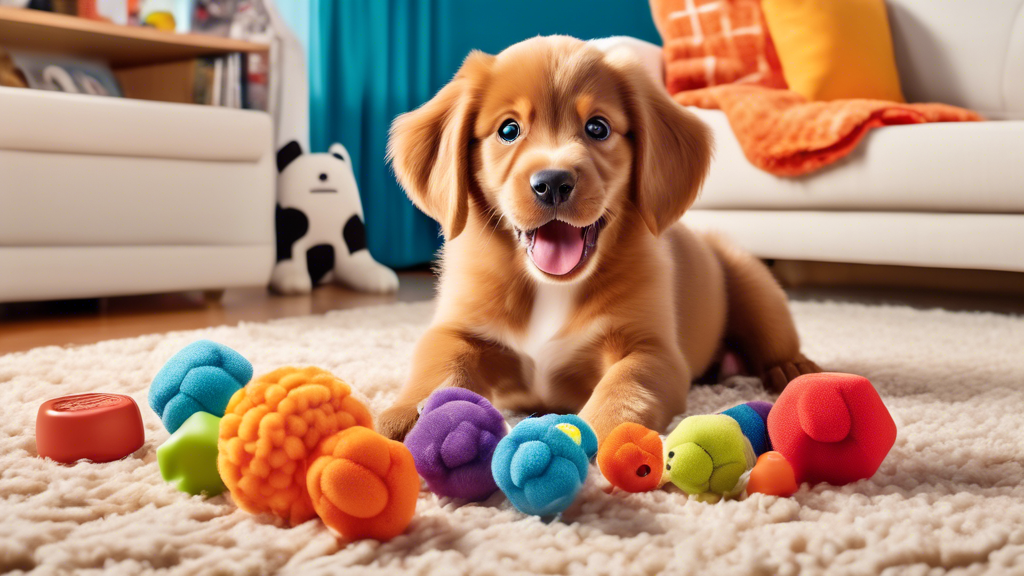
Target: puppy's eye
598,128
509,131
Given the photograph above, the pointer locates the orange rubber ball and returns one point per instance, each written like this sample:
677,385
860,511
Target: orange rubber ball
363,485
270,428
773,475
631,458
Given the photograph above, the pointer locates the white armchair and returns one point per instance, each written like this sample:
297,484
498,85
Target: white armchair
110,196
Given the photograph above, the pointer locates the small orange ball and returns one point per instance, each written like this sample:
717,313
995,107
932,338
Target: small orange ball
631,458
363,485
772,475
270,428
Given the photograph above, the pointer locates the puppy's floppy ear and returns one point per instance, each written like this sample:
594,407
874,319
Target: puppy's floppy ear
672,147
430,147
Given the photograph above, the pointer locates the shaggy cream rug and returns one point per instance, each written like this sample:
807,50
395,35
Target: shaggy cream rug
947,499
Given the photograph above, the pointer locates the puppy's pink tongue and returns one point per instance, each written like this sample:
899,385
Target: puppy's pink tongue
557,248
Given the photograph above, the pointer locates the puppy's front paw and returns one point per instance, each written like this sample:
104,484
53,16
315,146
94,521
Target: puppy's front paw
397,421
291,278
368,275
777,377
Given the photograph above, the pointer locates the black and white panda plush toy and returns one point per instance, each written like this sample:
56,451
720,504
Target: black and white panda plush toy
320,230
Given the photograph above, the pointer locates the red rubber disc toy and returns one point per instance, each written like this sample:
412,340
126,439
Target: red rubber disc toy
98,426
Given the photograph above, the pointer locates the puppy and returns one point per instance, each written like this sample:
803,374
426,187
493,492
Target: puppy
559,176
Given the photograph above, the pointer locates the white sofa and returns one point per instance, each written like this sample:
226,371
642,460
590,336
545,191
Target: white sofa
934,195
109,196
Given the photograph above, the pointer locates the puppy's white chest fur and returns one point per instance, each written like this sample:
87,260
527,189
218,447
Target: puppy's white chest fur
542,342
551,309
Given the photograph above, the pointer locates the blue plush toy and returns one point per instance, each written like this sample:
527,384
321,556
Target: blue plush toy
542,464
201,377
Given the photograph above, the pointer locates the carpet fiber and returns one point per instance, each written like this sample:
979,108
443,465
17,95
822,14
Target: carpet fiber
947,498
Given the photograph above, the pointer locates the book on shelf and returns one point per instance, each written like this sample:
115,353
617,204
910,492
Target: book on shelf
234,81
69,7
65,74
220,81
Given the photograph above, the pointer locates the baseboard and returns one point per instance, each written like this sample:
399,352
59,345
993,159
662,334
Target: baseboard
51,273
800,274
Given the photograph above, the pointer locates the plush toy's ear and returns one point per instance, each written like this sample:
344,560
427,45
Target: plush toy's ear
673,147
430,147
287,154
339,152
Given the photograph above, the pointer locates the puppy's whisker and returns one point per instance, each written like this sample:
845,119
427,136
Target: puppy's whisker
495,228
489,213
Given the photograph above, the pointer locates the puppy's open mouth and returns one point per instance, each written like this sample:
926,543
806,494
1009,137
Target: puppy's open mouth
558,248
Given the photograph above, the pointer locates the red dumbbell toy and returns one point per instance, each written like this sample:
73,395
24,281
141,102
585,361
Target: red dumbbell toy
98,426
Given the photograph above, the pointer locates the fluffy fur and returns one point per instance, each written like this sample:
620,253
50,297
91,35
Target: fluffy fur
620,336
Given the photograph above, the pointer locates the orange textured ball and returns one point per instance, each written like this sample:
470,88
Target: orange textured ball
363,485
772,475
269,430
631,458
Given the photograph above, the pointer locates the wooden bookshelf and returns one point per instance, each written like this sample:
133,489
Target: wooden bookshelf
121,46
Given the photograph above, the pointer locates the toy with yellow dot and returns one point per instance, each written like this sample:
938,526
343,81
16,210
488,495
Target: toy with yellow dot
542,464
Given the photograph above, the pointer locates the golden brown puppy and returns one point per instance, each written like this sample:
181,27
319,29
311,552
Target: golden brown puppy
559,176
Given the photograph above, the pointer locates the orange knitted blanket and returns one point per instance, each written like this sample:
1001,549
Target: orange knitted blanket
718,55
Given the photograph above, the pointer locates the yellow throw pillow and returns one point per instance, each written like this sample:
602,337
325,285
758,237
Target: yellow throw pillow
832,49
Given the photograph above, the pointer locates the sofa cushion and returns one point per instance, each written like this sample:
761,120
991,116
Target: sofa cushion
962,52
88,200
946,167
969,241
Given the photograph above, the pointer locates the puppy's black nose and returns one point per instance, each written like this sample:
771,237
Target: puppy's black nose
553,187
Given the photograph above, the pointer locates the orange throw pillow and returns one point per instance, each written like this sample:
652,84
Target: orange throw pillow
835,49
712,42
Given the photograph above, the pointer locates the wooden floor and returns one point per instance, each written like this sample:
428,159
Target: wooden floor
25,326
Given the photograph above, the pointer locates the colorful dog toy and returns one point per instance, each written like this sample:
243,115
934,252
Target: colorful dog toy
97,427
201,377
772,475
542,464
453,443
831,428
363,485
271,427
706,455
293,442
188,459
824,428
631,458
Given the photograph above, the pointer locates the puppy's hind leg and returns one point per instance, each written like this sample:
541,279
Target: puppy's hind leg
759,322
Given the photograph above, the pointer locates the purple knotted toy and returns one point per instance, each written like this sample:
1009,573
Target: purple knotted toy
453,442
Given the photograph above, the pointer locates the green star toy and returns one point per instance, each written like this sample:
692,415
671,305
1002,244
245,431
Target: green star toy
188,459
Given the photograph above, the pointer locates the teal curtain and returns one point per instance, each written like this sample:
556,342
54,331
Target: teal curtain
371,60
